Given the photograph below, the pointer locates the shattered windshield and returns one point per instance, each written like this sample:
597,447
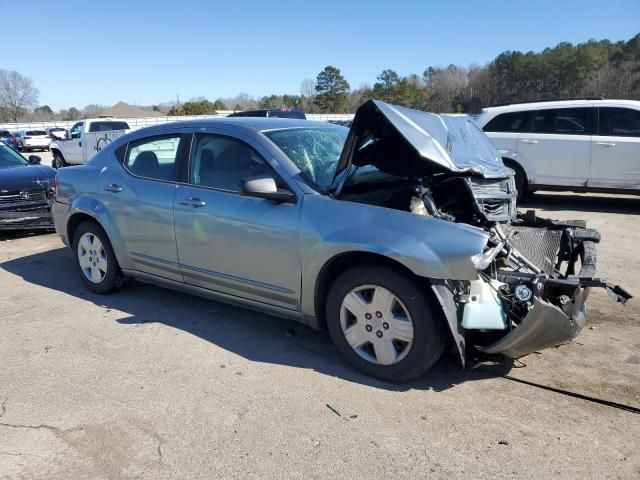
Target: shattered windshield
314,150
9,158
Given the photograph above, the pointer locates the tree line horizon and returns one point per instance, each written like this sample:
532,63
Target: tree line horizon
591,69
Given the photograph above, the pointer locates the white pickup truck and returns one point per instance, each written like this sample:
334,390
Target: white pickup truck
85,139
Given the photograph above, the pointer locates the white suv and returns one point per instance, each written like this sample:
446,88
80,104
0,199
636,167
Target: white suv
576,145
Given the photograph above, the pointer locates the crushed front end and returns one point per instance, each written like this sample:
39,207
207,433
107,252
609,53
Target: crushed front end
534,275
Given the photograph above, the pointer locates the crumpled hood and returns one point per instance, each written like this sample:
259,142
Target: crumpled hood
26,177
406,142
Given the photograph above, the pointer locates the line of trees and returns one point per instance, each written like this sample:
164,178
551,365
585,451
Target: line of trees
593,68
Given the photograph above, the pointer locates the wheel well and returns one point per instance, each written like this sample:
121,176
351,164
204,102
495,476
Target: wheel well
74,221
55,150
511,163
341,263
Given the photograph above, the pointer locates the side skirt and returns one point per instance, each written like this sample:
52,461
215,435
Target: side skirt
220,297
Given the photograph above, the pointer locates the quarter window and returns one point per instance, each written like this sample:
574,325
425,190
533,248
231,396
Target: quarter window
508,122
223,162
108,126
154,157
619,122
563,121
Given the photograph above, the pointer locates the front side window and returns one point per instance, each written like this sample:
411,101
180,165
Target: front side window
619,122
76,130
315,151
562,121
155,157
513,122
222,162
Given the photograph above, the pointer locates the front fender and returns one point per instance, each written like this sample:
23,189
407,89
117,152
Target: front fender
429,247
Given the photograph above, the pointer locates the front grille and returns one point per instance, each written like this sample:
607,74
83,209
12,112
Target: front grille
496,199
20,197
538,245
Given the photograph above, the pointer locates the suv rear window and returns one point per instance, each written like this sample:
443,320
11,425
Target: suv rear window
35,132
508,122
563,121
108,126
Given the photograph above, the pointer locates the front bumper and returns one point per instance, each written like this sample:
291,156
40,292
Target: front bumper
542,256
26,216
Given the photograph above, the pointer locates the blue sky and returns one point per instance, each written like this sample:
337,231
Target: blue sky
146,52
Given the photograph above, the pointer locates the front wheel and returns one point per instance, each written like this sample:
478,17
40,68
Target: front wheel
58,161
383,324
95,259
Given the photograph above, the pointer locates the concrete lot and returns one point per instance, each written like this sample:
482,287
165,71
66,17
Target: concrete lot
149,383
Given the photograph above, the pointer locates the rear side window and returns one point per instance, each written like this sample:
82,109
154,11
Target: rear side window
508,122
619,122
154,157
563,121
108,126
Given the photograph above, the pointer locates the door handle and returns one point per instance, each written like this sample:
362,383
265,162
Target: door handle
605,144
80,144
528,141
112,187
192,202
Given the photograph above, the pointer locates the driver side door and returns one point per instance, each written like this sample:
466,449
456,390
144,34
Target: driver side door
234,244
73,147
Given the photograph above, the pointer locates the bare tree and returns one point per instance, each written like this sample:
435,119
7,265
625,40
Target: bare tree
17,95
308,93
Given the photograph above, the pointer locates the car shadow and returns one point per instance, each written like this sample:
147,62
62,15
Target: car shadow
18,234
255,336
550,202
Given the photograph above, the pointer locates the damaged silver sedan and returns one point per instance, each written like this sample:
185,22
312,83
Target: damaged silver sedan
399,235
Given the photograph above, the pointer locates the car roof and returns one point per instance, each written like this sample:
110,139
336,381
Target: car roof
516,107
261,124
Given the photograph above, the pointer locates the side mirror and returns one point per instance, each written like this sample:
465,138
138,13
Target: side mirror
34,160
265,187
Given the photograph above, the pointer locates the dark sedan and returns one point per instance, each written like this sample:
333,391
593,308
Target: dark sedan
26,189
9,139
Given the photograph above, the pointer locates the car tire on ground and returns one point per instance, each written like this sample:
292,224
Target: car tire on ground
58,161
94,257
383,323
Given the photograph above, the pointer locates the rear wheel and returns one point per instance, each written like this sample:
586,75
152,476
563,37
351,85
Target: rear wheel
383,324
95,259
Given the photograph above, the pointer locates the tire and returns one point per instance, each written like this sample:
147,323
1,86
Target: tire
96,262
522,185
400,361
58,161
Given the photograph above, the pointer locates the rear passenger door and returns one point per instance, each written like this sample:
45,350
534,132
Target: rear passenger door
615,150
139,195
558,146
